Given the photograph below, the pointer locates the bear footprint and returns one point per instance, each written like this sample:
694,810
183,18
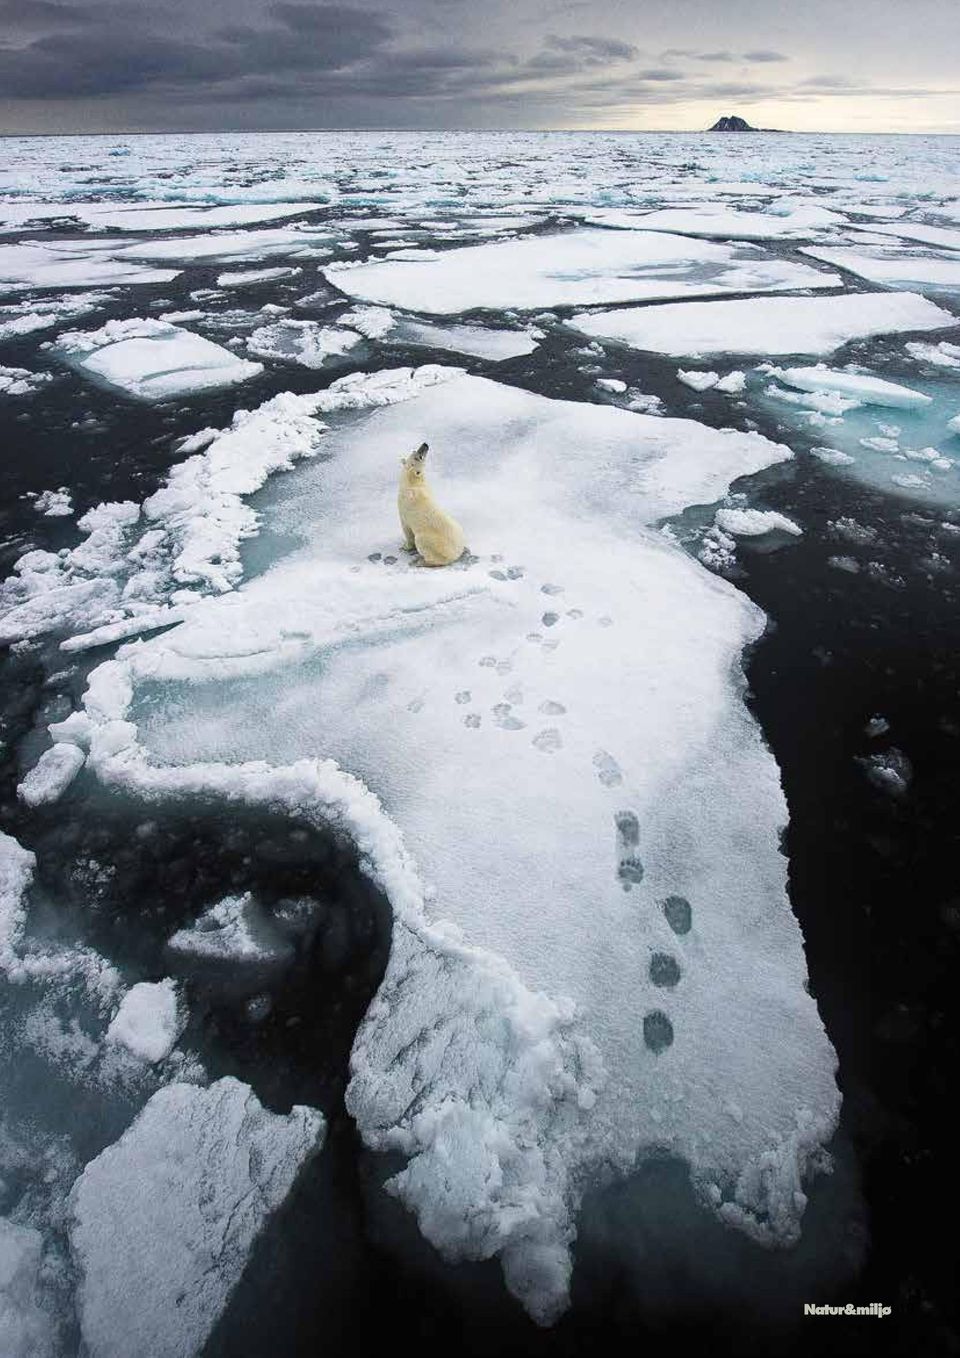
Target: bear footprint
664,970
629,866
678,913
608,770
657,1030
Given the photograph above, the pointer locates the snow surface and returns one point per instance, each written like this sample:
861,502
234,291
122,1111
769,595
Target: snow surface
152,360
164,1220
572,268
765,325
149,1020
500,1069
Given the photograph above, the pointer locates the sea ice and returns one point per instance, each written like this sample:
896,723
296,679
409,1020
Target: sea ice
60,265
721,222
52,774
250,276
765,325
149,1020
942,355
892,269
475,340
573,268
752,523
27,1329
152,360
860,388
304,342
501,1071
164,1220
699,381
54,504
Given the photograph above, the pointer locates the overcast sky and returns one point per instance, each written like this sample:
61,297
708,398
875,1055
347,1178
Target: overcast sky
842,65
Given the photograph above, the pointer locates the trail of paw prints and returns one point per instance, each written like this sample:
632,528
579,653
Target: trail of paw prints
665,973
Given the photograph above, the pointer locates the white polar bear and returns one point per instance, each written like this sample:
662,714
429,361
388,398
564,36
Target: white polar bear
426,528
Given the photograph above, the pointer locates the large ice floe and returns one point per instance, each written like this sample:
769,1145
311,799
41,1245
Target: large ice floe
575,268
765,325
163,1221
152,360
907,269
543,757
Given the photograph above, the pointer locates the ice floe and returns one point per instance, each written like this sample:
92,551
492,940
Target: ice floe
52,774
27,1328
163,1221
574,268
765,325
893,269
499,1069
59,264
148,1021
305,342
152,360
721,222
857,387
753,523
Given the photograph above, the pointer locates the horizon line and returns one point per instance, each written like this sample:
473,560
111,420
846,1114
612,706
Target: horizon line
559,131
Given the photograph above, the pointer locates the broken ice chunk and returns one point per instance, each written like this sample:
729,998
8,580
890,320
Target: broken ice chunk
148,1021
52,774
164,1220
152,360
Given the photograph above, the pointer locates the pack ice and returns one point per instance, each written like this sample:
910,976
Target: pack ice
163,1221
570,268
543,757
152,360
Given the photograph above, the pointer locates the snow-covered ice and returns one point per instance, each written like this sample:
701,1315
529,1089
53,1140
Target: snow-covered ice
27,1329
574,268
52,774
148,1021
895,269
153,360
752,523
304,342
498,1068
859,387
765,325
163,1221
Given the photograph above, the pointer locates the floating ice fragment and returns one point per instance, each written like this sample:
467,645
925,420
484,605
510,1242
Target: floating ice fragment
699,381
164,1220
52,774
152,360
149,1020
751,523
866,390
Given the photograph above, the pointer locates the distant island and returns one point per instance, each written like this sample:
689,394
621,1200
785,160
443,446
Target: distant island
731,123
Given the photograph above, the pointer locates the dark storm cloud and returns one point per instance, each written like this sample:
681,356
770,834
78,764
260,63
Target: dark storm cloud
116,56
432,62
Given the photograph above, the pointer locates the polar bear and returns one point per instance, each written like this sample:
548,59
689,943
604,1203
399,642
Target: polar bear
426,528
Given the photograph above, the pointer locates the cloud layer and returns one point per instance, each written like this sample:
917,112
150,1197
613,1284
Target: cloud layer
429,63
